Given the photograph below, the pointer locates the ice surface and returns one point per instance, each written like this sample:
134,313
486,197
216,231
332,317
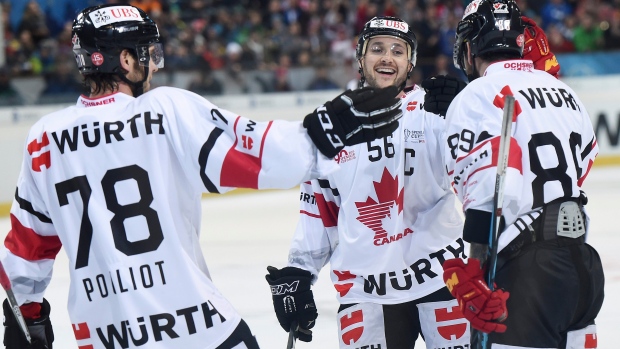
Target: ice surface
243,234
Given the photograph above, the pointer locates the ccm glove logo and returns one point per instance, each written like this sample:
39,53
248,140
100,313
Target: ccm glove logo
328,127
278,290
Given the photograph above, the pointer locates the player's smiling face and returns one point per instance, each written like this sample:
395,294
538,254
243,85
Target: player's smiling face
386,61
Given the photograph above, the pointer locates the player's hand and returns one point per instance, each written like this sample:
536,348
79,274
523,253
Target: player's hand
485,309
293,300
40,328
355,116
440,91
537,48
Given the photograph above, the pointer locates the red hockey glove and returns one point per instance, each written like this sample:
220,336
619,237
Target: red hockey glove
485,309
537,48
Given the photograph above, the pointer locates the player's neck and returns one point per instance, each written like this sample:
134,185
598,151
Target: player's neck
122,88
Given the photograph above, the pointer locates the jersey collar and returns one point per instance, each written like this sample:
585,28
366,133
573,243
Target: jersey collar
113,98
512,64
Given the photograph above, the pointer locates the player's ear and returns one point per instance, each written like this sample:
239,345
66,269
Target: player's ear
126,60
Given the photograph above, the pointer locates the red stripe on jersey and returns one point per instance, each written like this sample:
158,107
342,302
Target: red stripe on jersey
27,244
310,214
514,158
583,178
329,211
240,169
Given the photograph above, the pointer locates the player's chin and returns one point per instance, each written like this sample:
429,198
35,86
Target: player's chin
385,81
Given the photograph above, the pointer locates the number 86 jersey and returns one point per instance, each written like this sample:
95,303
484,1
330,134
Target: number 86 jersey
552,147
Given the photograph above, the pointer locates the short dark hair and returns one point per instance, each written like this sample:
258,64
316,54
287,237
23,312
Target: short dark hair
99,82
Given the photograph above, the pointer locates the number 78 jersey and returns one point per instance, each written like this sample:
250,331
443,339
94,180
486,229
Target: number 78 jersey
551,150
118,182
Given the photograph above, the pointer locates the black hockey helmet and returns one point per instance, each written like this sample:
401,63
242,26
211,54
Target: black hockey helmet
387,26
490,26
101,32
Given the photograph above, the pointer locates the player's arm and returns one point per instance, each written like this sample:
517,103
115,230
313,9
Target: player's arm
310,250
29,251
222,150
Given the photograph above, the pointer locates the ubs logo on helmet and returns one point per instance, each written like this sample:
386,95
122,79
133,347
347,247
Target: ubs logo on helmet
390,24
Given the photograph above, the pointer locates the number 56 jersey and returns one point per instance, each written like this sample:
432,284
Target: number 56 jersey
117,181
387,219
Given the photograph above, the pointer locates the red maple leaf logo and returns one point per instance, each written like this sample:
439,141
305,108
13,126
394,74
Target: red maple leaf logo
372,212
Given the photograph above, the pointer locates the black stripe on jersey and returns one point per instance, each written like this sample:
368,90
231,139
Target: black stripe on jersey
27,206
324,183
587,149
203,157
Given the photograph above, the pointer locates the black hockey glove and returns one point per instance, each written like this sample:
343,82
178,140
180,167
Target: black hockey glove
440,91
293,300
40,329
355,116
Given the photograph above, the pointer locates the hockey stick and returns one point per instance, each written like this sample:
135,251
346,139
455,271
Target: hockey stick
498,196
291,336
6,284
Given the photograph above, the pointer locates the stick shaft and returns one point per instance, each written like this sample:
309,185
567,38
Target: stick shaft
6,285
498,197
291,336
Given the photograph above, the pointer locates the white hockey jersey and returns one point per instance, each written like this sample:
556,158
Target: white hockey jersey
552,147
387,219
118,182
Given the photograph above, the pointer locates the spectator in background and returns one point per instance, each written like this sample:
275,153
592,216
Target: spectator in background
33,21
64,81
281,76
152,7
554,12
444,66
557,42
321,80
342,49
206,83
587,36
612,34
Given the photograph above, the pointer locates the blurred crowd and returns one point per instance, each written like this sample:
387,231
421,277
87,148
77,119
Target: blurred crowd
233,37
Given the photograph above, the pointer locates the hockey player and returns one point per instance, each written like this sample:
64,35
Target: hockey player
549,282
385,223
117,181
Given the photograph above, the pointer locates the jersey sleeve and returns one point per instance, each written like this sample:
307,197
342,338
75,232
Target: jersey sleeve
221,150
472,151
316,234
589,147
32,243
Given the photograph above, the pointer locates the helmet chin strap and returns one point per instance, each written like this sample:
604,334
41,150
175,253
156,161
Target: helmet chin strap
137,87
